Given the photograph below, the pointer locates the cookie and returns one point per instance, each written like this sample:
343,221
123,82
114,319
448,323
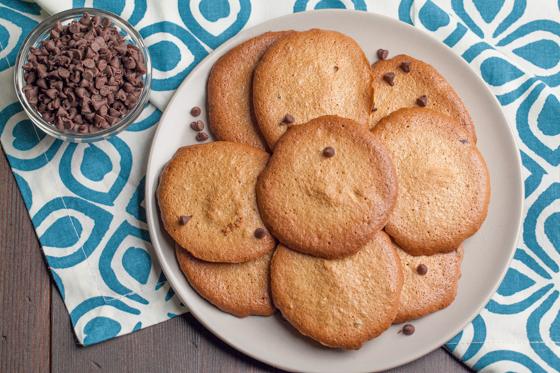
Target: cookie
341,302
241,289
206,195
444,185
309,74
430,283
329,187
413,79
230,92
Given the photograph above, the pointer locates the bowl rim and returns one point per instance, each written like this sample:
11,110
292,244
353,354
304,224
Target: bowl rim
44,27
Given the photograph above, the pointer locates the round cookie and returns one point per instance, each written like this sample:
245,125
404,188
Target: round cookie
422,79
310,74
327,204
444,185
341,302
206,195
230,93
425,293
241,289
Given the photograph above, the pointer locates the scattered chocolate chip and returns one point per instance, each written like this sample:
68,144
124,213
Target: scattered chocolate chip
373,108
197,125
329,152
422,101
405,66
464,141
422,269
184,219
195,111
382,54
389,78
201,136
260,233
289,118
408,329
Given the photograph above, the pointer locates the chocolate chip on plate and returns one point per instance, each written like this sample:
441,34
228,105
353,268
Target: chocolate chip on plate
405,66
329,152
382,54
422,101
197,125
389,78
201,136
195,111
422,269
408,329
260,233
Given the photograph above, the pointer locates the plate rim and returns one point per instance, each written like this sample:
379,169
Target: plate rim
242,36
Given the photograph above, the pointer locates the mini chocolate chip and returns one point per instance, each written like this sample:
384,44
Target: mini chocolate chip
184,219
373,108
382,54
464,141
405,66
197,125
195,111
289,118
422,269
329,152
201,136
408,329
389,78
260,233
422,101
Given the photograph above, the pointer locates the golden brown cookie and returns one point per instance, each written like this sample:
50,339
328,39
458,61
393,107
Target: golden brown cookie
329,187
310,74
444,185
341,302
241,289
430,283
230,92
207,200
421,79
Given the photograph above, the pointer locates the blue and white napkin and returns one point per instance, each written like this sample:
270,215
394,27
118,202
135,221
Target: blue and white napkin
91,220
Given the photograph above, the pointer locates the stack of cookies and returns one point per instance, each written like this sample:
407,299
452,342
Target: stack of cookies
339,193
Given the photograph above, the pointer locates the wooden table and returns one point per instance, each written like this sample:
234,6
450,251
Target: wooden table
36,333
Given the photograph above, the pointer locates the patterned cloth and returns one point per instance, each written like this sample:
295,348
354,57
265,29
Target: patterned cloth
86,201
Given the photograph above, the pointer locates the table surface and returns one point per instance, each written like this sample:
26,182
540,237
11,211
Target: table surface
37,336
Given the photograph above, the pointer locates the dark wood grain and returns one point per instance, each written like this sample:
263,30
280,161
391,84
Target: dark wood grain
37,335
25,286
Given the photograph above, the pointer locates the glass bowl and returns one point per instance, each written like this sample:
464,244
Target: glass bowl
42,32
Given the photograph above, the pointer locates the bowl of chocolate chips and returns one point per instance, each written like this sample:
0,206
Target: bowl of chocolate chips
83,75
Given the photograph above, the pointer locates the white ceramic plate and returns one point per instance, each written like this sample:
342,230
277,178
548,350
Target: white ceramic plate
487,254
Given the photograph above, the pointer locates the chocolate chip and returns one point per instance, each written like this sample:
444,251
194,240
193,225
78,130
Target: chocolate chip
422,269
197,125
329,152
184,219
408,329
373,108
201,136
405,66
288,119
464,141
382,54
422,101
260,233
389,78
195,111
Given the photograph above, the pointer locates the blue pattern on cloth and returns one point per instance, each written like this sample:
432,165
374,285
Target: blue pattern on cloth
86,200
